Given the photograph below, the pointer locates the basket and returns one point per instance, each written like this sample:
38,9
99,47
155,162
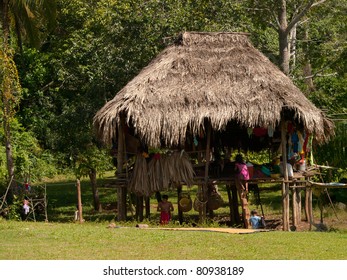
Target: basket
214,201
198,205
185,204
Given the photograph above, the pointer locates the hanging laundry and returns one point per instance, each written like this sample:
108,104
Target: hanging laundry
290,128
196,141
295,141
301,142
259,131
305,142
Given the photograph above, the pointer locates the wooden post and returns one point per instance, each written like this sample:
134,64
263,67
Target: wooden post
285,184
306,204
310,210
121,191
296,204
45,201
179,196
139,208
79,201
148,207
207,164
232,216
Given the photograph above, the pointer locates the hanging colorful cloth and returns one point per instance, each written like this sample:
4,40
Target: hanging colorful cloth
301,142
259,131
307,136
295,142
195,141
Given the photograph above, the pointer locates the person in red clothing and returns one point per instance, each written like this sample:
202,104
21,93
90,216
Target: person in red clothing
165,207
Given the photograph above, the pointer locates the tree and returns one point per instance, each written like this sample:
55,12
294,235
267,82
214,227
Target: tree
283,16
18,17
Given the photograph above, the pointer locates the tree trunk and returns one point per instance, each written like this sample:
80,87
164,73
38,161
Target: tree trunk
307,64
6,97
79,201
285,28
292,48
283,38
92,177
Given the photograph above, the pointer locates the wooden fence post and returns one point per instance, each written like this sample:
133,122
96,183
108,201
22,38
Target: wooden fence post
79,199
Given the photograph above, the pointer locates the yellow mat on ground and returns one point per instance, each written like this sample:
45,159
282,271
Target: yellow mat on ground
225,230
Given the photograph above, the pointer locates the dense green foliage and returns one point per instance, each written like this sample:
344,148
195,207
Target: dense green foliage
96,47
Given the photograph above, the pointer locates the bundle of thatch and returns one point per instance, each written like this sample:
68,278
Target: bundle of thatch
139,183
181,168
155,175
161,172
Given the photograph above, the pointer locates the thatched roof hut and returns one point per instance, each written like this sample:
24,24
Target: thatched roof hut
220,77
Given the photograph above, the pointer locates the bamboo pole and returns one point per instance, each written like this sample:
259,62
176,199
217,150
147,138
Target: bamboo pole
33,208
310,207
285,184
79,201
307,215
45,201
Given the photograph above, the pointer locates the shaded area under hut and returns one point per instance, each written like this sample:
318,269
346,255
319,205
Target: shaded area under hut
201,98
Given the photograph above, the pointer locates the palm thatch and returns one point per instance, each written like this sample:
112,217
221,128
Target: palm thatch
215,76
160,173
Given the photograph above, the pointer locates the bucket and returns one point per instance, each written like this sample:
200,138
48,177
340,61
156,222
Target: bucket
302,166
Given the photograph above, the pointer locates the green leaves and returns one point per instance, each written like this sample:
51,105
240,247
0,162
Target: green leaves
98,46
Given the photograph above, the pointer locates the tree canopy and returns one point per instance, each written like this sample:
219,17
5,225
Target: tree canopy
95,47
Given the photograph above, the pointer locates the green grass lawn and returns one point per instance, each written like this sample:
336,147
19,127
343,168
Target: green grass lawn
89,241
63,239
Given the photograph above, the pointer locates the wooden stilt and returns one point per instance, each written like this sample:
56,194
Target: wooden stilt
310,209
307,215
235,202
179,196
207,164
285,184
148,207
296,204
139,208
121,192
231,212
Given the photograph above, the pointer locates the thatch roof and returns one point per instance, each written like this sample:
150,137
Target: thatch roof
215,76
